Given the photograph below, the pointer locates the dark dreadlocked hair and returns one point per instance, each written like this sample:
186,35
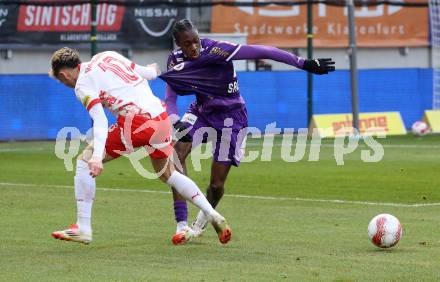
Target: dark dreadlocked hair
181,26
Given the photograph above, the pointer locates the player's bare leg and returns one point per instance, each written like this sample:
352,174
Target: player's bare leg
182,150
215,191
85,187
189,190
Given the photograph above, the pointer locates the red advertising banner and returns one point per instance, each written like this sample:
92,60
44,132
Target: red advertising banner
285,26
69,18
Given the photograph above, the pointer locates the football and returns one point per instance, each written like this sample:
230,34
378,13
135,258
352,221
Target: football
385,230
420,128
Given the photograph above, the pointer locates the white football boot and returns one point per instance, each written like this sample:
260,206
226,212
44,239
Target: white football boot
73,234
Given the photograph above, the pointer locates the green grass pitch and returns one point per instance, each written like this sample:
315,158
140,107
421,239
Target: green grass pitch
290,228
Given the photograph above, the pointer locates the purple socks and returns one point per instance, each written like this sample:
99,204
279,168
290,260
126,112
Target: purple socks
180,211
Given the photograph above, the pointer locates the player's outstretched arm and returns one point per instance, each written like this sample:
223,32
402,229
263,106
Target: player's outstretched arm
256,52
149,72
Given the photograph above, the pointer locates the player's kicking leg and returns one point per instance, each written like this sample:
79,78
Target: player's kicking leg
189,190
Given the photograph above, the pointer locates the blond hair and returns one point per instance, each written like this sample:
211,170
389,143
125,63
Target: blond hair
64,58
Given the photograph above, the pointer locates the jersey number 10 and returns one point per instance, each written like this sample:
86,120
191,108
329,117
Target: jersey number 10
119,68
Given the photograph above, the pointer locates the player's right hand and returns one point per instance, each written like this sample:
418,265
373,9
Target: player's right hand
95,166
182,132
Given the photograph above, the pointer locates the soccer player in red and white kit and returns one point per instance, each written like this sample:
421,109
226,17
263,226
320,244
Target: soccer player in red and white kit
110,80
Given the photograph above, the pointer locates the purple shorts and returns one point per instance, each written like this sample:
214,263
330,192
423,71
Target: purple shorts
225,129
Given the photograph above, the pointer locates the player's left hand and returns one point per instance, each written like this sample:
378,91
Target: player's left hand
95,166
319,66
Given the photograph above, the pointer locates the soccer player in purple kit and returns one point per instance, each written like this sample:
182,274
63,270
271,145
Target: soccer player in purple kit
204,67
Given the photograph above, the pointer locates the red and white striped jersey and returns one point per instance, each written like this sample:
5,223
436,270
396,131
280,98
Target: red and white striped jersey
112,80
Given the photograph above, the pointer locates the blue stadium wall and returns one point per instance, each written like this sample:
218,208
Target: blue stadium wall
36,107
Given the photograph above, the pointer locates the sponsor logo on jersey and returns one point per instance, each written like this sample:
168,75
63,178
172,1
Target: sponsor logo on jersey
179,67
218,51
171,65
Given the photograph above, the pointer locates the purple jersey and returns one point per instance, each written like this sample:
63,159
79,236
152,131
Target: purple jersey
211,76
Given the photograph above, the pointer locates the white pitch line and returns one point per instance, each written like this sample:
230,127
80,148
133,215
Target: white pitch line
5,150
325,145
335,201
71,187
240,196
